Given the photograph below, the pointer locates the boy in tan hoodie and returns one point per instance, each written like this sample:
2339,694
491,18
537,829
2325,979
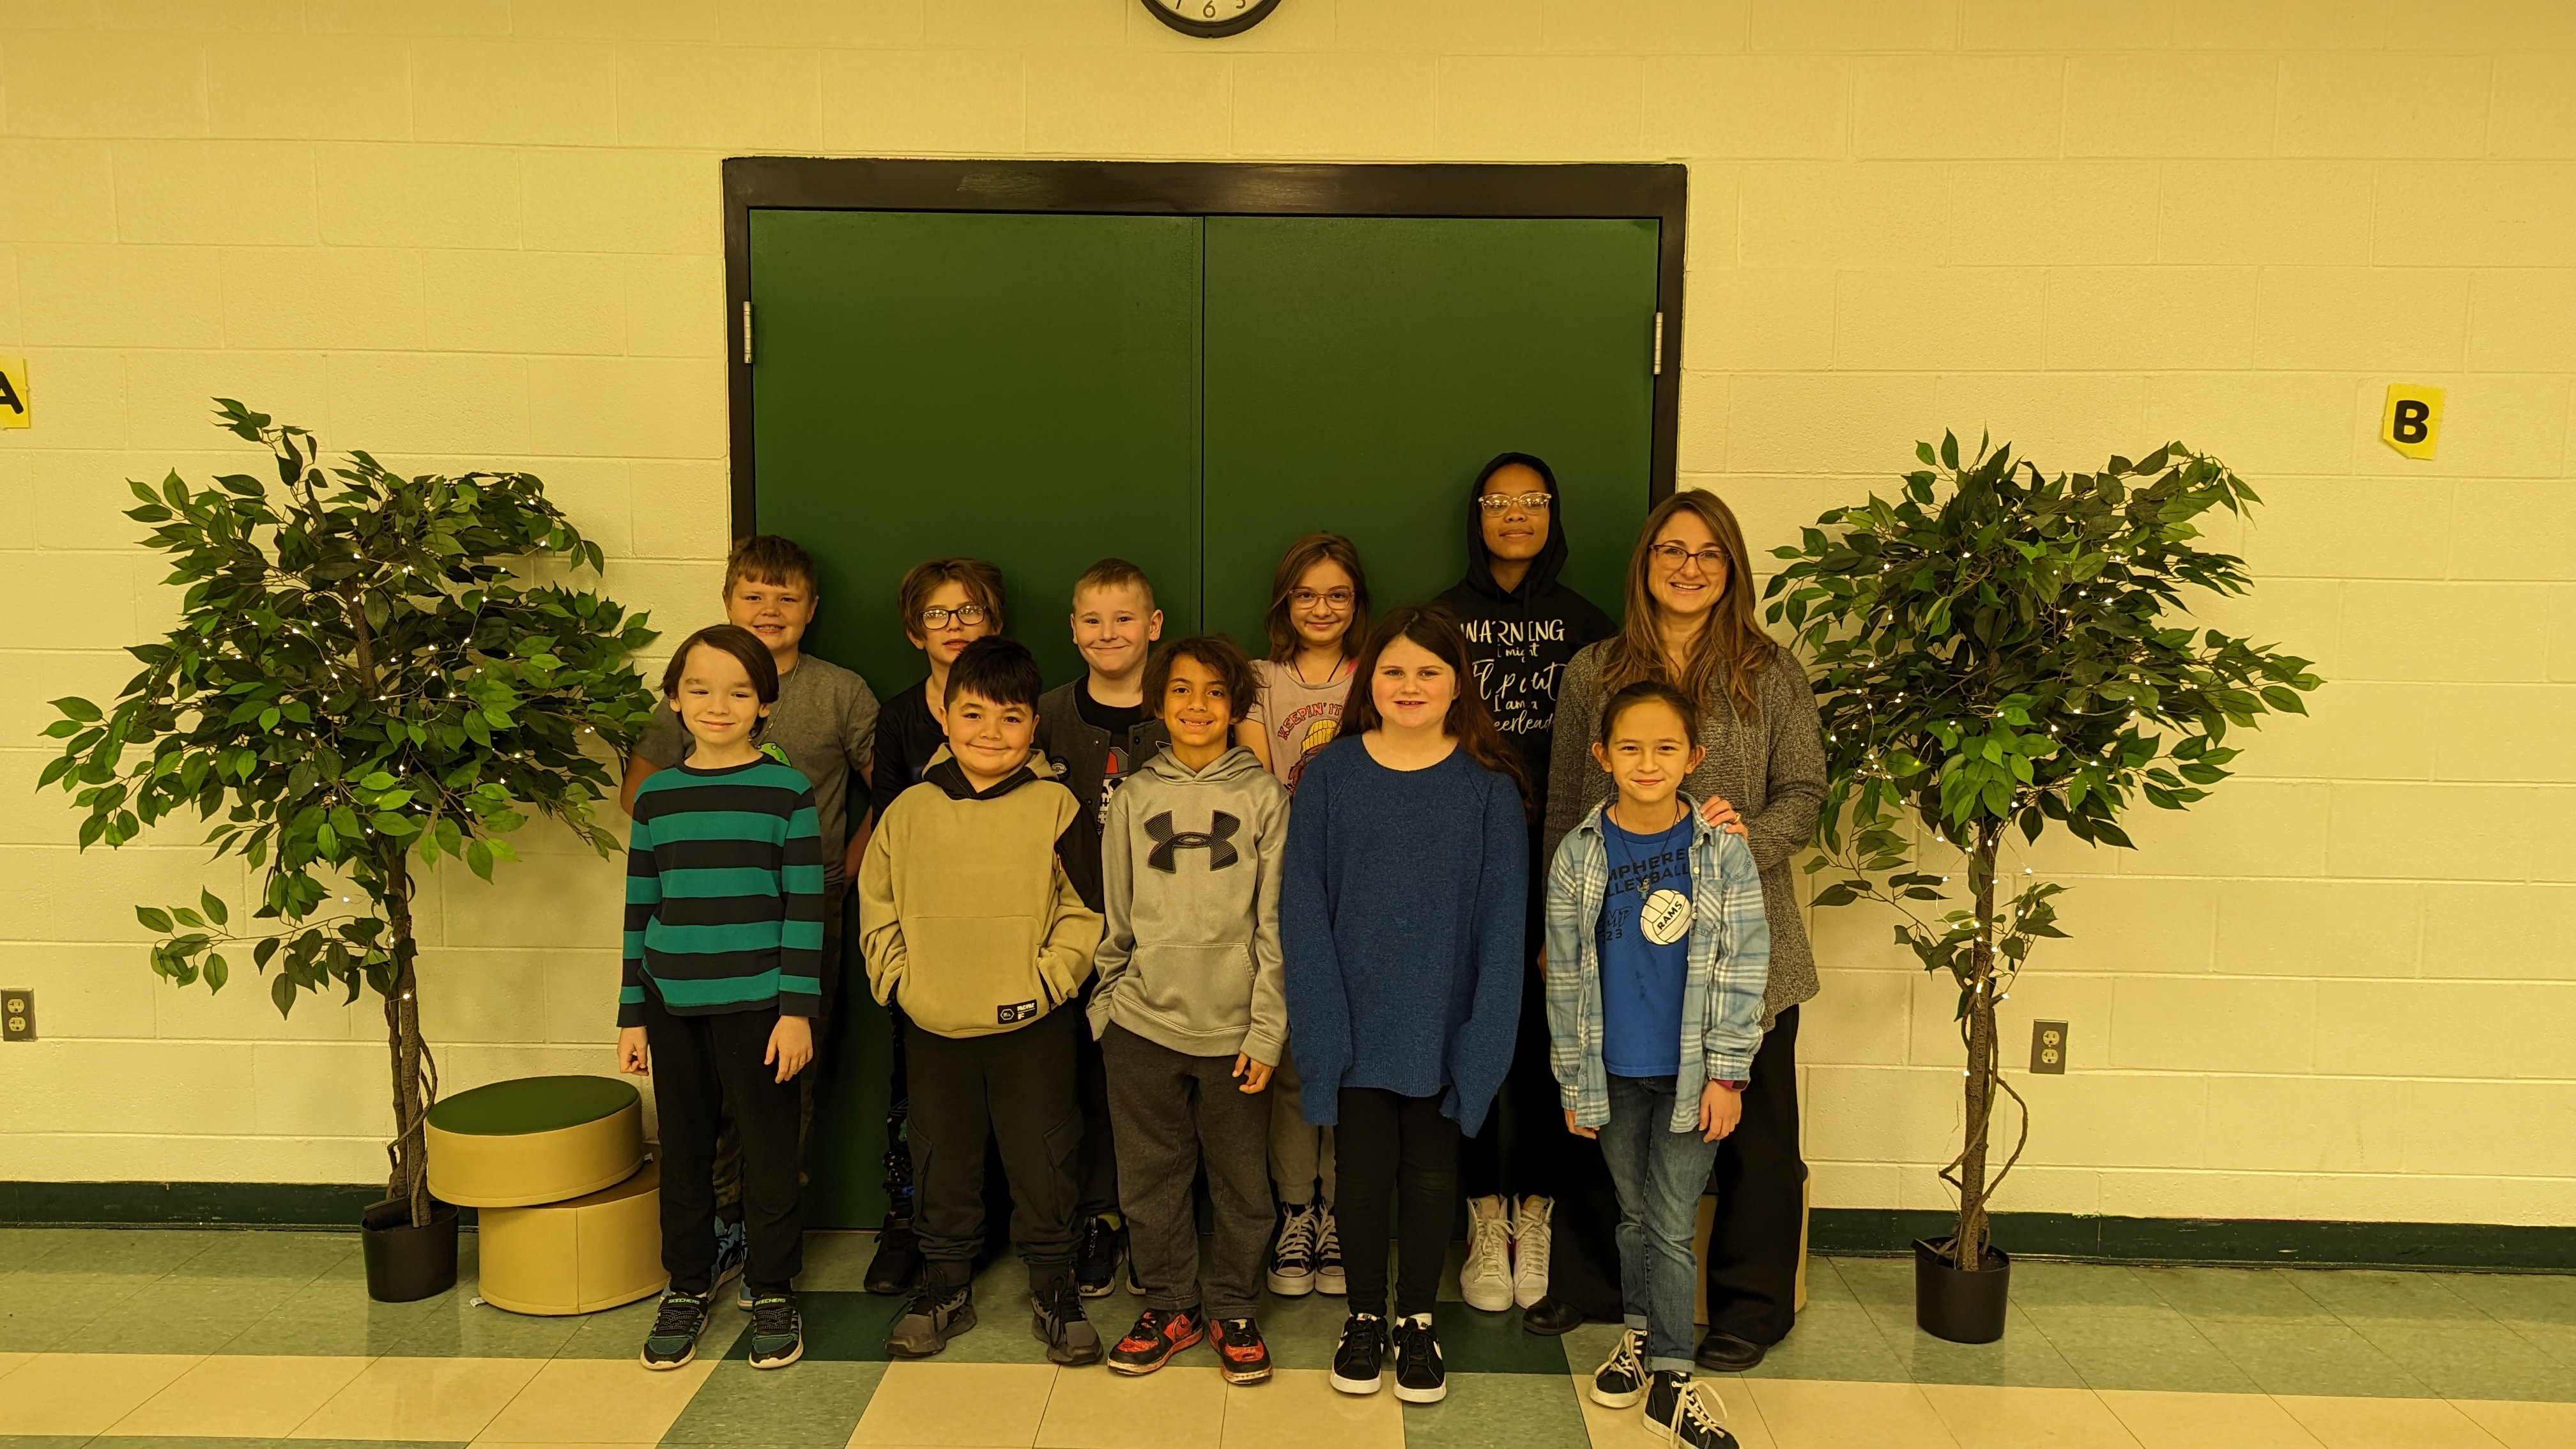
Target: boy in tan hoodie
969,924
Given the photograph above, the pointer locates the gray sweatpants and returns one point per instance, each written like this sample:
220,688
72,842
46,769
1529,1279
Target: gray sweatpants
1169,1113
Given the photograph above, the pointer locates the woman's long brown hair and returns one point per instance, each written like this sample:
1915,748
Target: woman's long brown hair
1302,555
1468,721
1730,637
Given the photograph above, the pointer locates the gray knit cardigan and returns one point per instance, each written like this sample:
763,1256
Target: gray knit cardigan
1772,770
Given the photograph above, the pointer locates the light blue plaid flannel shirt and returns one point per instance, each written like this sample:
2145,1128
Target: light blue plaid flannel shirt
1729,966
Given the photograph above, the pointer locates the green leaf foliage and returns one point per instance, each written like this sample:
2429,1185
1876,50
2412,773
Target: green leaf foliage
360,673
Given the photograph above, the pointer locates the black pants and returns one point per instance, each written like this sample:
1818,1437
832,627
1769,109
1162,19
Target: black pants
826,1035
1096,1171
1013,1088
707,1068
1537,1162
1753,1243
1389,1146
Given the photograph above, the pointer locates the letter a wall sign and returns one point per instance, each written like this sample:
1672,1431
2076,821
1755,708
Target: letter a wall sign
15,411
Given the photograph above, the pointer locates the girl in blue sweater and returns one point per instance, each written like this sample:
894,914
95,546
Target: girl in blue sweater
1401,918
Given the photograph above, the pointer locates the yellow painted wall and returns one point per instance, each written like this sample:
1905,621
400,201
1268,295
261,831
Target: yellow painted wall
485,233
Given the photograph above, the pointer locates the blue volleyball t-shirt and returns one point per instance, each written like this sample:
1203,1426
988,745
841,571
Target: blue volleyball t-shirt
1644,941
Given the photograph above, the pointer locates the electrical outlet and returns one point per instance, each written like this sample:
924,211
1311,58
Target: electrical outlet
17,1014
2048,1048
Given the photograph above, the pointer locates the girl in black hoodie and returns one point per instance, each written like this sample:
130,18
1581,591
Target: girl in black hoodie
1522,625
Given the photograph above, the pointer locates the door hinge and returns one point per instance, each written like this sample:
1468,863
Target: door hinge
1659,343
746,332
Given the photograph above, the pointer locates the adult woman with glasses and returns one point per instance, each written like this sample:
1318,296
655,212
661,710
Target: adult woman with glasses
1691,623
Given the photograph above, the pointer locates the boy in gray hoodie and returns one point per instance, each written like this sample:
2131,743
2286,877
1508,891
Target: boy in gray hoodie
1190,1010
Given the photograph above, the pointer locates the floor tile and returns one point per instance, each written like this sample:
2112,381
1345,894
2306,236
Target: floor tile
2383,1423
2163,1420
182,1315
2090,1285
2558,1340
1982,1417
1802,1414
1301,1332
608,1400
420,1398
1298,1409
43,1441
2472,1360
839,1328
2517,1297
454,1326
1837,1341
2139,1348
253,1397
1626,1428
619,1332
332,1316
2311,1358
43,1311
193,1441
2401,1297
808,1405
836,1262
1091,1408
9,1361
2524,1426
930,1403
2250,1293
140,1252
1494,1343
2023,1356
1522,1411
296,1257
83,1393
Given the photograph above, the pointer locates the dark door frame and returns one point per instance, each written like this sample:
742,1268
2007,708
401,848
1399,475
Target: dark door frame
1200,188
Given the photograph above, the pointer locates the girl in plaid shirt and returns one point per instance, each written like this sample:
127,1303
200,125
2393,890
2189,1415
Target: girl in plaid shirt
1658,951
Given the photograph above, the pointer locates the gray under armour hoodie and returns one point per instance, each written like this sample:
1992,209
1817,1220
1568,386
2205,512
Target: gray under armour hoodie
1190,874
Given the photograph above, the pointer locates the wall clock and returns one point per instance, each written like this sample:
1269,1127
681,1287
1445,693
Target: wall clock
1209,19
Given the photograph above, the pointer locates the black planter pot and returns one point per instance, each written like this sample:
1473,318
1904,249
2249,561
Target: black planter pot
405,1263
1960,1306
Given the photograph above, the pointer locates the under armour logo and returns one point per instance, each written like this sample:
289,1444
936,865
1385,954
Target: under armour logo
1221,828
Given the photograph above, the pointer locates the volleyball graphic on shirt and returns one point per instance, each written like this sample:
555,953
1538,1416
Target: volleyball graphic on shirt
1665,917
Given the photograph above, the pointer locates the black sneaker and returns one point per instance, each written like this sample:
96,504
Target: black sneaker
1420,1377
1096,1256
1059,1323
1621,1380
777,1330
676,1326
896,1268
1329,1279
1241,1355
1677,1413
1362,1351
1292,1253
934,1316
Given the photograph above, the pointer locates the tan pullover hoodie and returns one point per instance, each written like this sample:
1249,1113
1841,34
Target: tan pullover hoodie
965,917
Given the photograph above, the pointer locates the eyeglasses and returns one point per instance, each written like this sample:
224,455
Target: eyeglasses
937,618
1525,503
1673,556
1308,598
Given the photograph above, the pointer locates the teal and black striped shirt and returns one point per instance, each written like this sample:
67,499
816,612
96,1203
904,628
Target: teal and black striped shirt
724,893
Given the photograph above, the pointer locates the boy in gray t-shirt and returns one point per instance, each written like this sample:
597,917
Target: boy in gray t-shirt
825,723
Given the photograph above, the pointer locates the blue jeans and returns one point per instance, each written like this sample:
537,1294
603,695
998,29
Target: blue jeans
1659,1174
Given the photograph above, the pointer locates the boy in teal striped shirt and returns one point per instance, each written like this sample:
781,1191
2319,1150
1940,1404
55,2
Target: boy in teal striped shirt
724,946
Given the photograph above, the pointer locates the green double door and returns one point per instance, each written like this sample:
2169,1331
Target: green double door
1190,393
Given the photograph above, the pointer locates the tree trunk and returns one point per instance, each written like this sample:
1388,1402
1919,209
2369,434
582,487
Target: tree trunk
415,1077
1968,1243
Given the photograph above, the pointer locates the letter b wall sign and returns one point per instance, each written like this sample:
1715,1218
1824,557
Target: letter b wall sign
2411,420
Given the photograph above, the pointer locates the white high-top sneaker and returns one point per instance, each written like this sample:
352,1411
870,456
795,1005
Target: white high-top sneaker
1485,1279
1530,1239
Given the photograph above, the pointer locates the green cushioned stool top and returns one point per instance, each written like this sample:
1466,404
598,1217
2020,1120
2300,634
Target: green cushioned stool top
532,1104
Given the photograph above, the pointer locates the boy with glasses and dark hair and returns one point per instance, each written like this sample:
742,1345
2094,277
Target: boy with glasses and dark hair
945,604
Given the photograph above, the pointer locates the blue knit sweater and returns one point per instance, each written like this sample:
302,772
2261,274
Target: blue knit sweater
1401,916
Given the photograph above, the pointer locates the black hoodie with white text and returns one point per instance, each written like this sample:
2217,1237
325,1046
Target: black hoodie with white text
1519,639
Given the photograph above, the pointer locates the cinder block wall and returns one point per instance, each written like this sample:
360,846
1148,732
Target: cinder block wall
485,233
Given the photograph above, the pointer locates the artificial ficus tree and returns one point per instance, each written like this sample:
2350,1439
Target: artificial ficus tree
359,680
1999,651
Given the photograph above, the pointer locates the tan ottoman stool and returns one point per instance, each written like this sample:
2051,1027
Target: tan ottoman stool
581,1256
537,1139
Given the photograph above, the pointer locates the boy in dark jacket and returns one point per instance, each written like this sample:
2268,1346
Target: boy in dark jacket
1098,730
1522,624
